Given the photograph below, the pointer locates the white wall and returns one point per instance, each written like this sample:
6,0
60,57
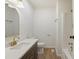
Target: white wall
26,20
11,21
45,26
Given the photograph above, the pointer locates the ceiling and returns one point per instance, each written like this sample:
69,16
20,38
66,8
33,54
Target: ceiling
43,3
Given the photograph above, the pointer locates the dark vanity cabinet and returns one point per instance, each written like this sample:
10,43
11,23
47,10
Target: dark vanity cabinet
32,53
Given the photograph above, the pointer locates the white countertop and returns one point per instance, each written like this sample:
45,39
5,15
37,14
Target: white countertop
19,51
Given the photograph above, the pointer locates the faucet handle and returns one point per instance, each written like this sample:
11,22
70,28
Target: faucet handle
72,37
70,43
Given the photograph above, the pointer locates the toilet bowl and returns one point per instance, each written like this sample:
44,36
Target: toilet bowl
41,47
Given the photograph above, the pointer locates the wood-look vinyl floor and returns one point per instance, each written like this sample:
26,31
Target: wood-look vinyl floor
48,54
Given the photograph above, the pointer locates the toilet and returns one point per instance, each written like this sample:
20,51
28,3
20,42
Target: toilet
41,47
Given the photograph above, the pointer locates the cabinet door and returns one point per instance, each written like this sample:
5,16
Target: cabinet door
32,53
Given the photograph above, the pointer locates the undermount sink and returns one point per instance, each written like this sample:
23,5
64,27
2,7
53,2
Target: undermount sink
19,45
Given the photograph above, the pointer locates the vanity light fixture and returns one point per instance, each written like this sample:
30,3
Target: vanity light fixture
15,3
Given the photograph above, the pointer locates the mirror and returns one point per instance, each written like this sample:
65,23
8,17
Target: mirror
11,21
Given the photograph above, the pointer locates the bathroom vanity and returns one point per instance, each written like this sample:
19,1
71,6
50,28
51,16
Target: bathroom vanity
32,53
26,49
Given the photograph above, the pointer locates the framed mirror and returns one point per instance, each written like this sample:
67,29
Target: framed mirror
11,21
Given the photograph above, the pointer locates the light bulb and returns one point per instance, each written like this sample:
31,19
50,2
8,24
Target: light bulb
16,3
20,5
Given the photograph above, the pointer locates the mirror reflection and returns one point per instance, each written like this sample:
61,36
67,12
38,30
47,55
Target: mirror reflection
11,21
